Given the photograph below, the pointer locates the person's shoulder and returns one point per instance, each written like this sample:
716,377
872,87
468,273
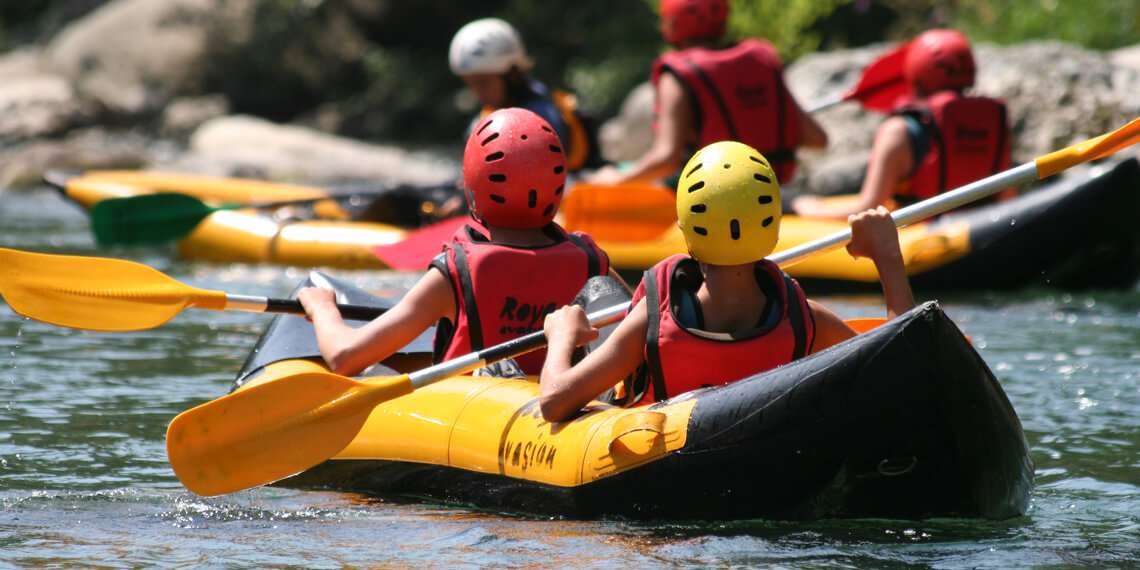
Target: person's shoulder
761,46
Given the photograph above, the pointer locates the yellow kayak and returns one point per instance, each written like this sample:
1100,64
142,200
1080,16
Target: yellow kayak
905,420
1077,232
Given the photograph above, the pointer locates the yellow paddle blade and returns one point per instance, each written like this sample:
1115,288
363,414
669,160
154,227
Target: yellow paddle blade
95,293
1092,149
270,431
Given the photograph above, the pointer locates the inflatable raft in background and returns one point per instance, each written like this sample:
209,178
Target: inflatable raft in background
1077,232
1080,231
903,421
248,235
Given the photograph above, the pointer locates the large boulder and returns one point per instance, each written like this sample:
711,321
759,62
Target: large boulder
35,103
248,146
133,56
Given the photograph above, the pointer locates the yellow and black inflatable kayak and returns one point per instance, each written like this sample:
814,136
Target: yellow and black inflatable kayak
250,235
903,421
1077,232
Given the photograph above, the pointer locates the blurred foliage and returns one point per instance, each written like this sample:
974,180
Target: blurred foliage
1095,24
787,24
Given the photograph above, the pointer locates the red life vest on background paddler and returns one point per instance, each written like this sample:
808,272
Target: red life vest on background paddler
739,94
966,139
682,358
504,292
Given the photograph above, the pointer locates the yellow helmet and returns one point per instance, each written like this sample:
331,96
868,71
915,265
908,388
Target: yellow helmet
728,204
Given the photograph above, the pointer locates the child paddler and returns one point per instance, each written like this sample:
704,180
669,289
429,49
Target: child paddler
490,284
723,312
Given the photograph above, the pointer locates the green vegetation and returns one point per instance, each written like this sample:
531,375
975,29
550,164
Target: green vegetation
1095,24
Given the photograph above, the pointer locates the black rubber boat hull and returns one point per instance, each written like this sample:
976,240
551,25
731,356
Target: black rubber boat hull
905,421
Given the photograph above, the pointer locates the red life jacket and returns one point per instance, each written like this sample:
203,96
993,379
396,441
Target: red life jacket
968,140
681,359
739,94
504,292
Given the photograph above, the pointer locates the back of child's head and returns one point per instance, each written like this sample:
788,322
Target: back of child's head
514,170
728,204
487,45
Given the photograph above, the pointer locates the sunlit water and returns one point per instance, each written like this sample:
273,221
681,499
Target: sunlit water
84,479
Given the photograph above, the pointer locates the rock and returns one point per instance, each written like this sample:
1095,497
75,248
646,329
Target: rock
185,114
628,135
25,165
244,145
133,56
34,103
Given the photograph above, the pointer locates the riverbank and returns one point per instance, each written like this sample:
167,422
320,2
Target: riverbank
76,101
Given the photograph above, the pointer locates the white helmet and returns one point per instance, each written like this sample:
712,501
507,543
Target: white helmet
489,45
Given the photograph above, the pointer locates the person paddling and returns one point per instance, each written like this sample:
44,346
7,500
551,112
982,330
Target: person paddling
488,54
706,91
939,140
722,312
490,284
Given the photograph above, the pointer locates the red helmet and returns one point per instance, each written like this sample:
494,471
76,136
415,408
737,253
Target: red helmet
514,170
687,19
938,60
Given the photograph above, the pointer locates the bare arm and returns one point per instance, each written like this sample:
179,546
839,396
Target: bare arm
349,350
675,126
829,327
889,166
565,389
813,134
874,235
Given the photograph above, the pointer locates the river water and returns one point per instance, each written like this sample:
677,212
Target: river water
84,479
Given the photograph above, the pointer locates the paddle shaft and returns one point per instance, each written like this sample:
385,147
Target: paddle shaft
931,207
1042,167
882,75
509,349
293,307
828,101
386,190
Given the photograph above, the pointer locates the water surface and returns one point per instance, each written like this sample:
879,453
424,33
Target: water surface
84,479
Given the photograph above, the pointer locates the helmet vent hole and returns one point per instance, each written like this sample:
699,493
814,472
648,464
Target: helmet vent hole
558,169
700,230
489,139
727,165
548,129
497,178
767,221
549,210
494,156
498,199
532,198
762,178
558,190
694,169
523,137
698,208
760,160
555,148
764,199
734,229
696,186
